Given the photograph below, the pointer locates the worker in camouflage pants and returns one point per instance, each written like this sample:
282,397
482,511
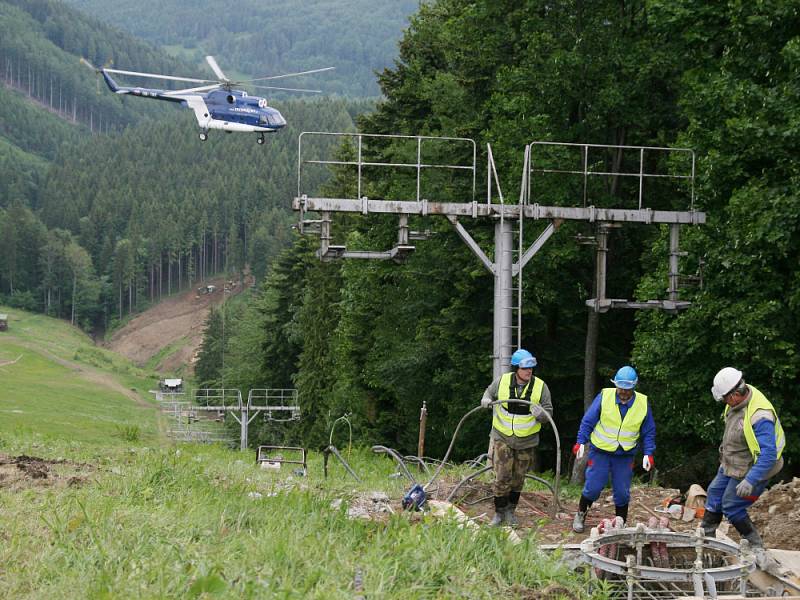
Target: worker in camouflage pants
510,467
515,431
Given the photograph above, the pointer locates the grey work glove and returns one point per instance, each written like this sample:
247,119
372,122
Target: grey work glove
538,412
485,402
744,489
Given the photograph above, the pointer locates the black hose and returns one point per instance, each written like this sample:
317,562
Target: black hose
398,458
555,506
331,449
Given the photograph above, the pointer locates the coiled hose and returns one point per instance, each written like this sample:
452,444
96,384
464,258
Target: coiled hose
555,506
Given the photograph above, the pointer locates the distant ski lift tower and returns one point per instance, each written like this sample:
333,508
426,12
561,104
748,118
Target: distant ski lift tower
599,184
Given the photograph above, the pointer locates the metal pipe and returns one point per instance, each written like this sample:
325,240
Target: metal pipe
423,420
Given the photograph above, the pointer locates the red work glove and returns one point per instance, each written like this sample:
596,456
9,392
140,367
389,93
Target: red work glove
648,462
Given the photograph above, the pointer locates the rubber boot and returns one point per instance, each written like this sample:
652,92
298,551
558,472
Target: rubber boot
511,519
622,511
513,500
748,531
500,505
579,522
711,521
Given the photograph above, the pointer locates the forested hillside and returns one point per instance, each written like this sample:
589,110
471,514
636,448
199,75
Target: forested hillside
48,101
257,38
99,217
40,49
376,339
125,219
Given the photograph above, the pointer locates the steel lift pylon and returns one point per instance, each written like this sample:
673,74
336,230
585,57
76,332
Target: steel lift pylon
510,256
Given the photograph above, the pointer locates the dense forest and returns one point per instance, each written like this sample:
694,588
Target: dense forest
376,340
40,49
358,37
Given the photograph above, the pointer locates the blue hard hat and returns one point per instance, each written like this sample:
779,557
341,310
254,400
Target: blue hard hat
523,359
626,378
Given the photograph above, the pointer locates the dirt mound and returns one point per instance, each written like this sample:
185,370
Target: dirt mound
776,514
23,472
177,322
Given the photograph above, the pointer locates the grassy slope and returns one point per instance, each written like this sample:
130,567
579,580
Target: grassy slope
44,396
156,521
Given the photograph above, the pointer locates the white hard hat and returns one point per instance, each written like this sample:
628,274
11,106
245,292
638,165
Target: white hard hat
724,382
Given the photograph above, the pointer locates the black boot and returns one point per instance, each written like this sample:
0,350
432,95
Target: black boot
711,521
500,504
622,511
748,531
513,500
579,522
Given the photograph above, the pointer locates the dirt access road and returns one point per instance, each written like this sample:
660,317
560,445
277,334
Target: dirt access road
177,322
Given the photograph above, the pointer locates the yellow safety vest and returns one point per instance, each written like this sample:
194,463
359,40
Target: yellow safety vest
758,401
611,430
509,423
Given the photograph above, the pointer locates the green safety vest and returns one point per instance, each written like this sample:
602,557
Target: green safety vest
758,401
518,425
611,430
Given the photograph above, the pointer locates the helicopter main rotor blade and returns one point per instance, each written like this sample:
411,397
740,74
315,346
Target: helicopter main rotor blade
215,67
290,74
157,76
203,88
283,89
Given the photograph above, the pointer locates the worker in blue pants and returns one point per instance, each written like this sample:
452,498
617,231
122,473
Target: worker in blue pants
617,420
750,454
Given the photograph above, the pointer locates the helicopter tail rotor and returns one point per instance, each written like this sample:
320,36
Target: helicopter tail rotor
83,61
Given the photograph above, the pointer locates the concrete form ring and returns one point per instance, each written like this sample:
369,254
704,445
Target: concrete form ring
637,537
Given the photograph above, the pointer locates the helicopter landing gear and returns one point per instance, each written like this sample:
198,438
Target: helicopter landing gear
260,138
203,136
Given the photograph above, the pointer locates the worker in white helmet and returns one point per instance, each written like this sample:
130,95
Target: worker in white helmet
750,454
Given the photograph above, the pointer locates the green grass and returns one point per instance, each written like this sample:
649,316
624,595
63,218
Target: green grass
155,520
177,523
44,399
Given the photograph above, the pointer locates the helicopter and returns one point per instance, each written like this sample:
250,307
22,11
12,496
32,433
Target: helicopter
216,104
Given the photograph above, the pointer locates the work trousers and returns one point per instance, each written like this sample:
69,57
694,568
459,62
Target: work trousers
722,497
510,467
598,468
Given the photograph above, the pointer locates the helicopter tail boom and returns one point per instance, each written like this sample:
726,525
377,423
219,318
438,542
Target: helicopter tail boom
112,85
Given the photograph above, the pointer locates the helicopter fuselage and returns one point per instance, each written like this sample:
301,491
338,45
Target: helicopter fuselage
225,109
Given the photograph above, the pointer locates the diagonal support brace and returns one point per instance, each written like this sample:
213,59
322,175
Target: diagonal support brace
536,246
473,245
